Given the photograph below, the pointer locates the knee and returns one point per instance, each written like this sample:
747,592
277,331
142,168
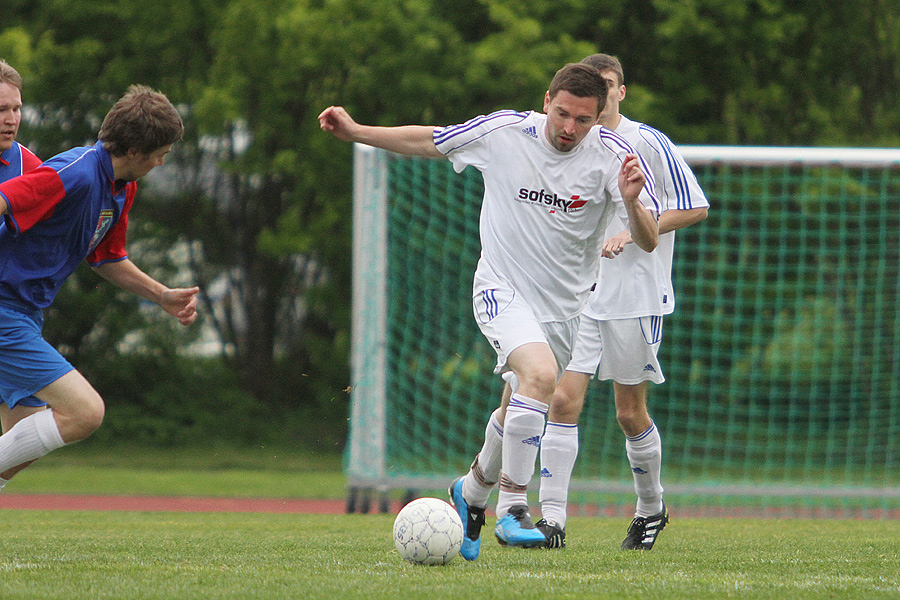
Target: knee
632,419
626,417
82,421
566,405
93,416
538,383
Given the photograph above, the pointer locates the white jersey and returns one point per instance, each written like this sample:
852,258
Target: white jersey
637,283
544,211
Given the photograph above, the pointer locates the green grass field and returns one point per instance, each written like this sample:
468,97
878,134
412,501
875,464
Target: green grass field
146,555
251,472
73,555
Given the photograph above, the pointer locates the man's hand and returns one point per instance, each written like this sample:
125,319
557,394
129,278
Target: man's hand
613,246
336,120
181,303
631,178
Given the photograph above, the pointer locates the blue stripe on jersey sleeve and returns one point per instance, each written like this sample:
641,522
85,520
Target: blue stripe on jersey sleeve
682,189
494,121
617,143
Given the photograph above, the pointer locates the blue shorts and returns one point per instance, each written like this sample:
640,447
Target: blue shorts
27,362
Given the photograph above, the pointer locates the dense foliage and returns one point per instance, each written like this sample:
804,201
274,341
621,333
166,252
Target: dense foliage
255,203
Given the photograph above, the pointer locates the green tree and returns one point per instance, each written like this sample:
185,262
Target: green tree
274,223
258,199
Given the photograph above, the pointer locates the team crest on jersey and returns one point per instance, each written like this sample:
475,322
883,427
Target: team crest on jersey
551,201
103,225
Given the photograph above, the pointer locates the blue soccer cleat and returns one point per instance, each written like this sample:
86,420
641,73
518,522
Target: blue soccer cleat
472,518
517,529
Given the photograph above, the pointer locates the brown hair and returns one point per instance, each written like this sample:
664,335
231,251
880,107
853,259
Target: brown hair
606,62
142,120
10,75
581,80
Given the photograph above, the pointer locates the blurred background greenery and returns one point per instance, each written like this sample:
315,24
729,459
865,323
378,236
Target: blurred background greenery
254,204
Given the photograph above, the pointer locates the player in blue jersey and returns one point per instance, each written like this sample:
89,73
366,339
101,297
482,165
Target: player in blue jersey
15,159
552,183
73,207
623,322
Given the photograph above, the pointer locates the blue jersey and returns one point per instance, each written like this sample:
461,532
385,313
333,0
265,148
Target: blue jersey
67,210
17,160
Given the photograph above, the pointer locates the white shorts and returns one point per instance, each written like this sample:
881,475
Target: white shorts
623,349
508,322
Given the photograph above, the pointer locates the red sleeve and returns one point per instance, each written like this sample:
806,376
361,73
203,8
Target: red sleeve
30,161
112,247
31,197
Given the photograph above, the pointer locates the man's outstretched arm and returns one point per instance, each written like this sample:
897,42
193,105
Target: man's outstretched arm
413,140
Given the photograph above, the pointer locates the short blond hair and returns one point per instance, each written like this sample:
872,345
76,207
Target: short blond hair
10,75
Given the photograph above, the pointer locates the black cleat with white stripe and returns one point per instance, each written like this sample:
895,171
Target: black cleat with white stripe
556,536
643,531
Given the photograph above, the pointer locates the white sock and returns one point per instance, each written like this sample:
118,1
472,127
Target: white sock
559,449
30,438
513,381
645,456
485,471
522,432
3,482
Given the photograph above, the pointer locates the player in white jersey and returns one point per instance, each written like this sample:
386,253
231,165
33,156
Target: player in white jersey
552,183
623,321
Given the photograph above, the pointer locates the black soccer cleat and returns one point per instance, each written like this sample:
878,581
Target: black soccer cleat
643,531
556,537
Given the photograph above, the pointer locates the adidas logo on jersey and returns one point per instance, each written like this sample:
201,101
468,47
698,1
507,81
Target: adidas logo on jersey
650,368
546,473
530,131
533,441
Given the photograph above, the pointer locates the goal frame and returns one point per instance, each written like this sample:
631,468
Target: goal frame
365,460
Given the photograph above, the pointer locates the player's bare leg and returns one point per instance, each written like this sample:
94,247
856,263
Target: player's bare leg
76,411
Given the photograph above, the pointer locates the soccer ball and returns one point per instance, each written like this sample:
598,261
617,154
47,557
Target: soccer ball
428,531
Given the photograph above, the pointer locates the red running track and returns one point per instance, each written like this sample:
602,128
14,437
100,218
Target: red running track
277,505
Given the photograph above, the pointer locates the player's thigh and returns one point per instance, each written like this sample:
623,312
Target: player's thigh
532,361
505,320
630,349
72,394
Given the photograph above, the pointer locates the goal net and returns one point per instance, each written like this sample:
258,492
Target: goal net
782,358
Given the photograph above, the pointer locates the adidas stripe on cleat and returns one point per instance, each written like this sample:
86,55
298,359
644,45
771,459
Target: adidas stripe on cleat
556,537
517,529
643,531
472,518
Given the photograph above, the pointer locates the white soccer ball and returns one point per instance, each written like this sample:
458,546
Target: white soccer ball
428,531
